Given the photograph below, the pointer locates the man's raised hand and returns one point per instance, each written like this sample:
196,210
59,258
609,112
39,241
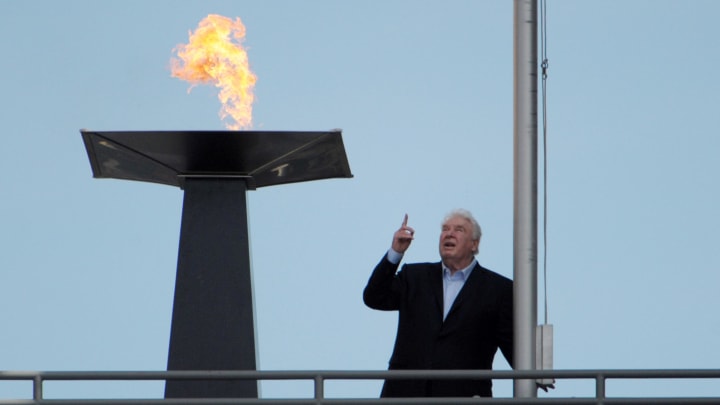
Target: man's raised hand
403,237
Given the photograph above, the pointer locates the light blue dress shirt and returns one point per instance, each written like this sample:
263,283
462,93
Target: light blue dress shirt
452,284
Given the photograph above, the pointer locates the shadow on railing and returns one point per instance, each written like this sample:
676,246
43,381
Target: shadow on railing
38,378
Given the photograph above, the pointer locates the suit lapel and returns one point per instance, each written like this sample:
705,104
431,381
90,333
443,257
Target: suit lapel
437,288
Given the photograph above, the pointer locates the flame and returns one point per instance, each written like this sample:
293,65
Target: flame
214,55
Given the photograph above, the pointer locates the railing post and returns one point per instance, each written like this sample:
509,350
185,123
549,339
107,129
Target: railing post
319,387
600,388
37,387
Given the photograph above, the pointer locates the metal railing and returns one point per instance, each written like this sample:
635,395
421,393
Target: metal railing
319,378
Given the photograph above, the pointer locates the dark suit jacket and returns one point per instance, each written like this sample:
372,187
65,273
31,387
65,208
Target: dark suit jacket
479,322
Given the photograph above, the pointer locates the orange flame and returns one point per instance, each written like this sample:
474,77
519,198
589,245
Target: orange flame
212,57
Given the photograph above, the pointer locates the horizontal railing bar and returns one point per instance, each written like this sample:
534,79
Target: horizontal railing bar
320,377
359,374
376,401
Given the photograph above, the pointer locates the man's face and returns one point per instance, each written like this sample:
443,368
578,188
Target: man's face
456,240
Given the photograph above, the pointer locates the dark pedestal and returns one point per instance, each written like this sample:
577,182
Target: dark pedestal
212,322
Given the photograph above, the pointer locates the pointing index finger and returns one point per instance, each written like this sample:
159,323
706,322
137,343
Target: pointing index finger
404,224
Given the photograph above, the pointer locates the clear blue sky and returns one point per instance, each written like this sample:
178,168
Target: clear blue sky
423,93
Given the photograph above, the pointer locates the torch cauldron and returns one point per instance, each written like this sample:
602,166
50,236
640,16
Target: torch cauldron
213,326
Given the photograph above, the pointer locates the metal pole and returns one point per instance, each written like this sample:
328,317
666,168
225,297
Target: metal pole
525,192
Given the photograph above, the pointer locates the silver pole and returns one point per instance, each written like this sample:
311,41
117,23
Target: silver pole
525,191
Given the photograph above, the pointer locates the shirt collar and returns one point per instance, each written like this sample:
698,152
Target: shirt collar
463,273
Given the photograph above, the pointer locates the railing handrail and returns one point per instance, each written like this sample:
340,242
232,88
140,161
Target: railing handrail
360,374
321,376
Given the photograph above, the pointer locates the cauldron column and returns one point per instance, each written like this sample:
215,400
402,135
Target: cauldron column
213,324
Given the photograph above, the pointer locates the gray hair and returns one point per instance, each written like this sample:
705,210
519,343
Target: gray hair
465,214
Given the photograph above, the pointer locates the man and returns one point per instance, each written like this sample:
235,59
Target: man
453,314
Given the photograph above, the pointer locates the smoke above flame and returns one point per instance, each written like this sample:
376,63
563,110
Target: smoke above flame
214,55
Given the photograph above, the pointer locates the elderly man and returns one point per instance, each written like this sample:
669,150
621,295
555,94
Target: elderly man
453,314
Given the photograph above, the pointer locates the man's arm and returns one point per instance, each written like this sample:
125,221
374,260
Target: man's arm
383,290
504,332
